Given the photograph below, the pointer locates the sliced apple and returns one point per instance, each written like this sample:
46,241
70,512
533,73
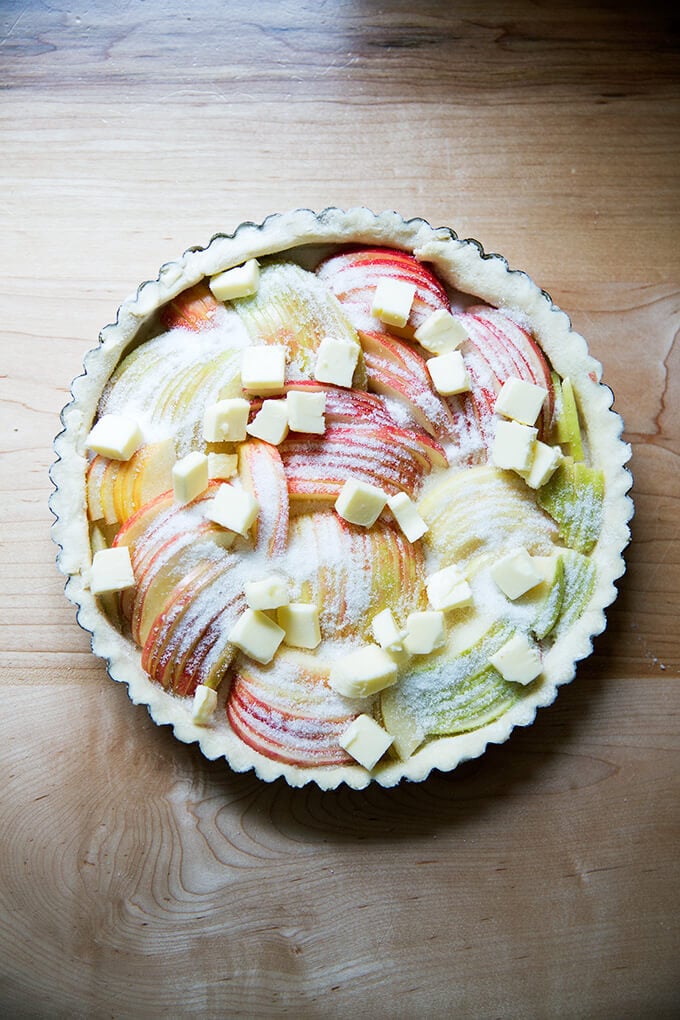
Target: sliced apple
580,575
193,309
261,470
574,497
482,512
292,308
395,369
350,574
567,426
117,489
354,274
288,712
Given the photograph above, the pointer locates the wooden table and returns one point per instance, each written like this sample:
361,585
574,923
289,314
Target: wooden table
137,879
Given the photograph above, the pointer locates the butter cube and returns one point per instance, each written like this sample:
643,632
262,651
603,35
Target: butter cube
336,361
300,620
513,445
271,422
441,333
256,635
516,574
520,400
306,411
518,661
204,705
543,465
225,421
448,373
407,516
263,369
363,672
360,503
392,301
115,436
222,465
366,741
269,593
111,571
233,508
241,281
448,589
386,632
424,632
190,476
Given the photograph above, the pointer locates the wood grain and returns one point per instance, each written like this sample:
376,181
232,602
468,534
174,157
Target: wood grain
137,879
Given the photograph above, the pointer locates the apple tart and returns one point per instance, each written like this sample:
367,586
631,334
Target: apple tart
341,498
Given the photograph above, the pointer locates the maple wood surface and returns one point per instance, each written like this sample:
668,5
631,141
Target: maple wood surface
138,879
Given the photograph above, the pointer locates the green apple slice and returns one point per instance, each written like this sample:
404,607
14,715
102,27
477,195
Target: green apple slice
574,498
547,596
567,426
580,574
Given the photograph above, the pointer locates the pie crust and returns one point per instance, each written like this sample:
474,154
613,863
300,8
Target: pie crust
307,237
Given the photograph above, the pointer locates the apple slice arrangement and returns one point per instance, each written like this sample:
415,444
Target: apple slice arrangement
342,509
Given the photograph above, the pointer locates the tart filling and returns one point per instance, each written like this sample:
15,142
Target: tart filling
341,498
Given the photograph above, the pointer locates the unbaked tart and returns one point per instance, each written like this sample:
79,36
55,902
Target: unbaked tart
341,498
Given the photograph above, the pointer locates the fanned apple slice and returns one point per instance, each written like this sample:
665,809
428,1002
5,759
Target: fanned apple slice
453,690
288,712
580,575
392,458
292,308
117,489
167,382
188,642
354,274
481,513
395,369
262,473
351,573
194,309
574,497
499,348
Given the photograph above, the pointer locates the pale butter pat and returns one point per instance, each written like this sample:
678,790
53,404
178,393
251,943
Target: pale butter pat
448,373
111,571
520,400
392,301
300,621
222,465
115,436
241,281
518,661
407,516
448,589
366,741
360,503
441,333
516,573
363,672
386,632
233,508
269,593
336,361
513,445
204,705
306,411
271,422
257,635
190,476
225,421
424,632
263,369
544,463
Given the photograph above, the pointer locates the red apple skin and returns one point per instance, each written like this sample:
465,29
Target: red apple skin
354,274
193,309
296,720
